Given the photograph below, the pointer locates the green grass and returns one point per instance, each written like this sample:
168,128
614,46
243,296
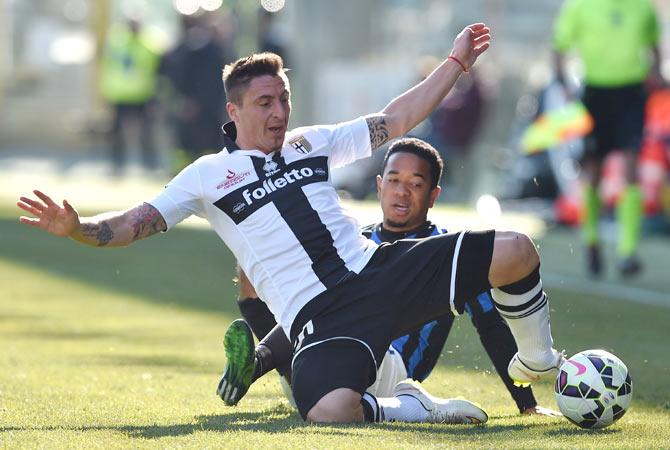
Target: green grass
122,348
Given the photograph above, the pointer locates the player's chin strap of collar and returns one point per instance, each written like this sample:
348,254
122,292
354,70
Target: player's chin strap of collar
229,136
424,230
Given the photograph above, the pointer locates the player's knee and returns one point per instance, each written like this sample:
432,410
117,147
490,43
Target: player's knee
514,257
339,406
525,255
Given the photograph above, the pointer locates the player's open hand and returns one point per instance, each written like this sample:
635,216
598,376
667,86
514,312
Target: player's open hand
470,43
49,216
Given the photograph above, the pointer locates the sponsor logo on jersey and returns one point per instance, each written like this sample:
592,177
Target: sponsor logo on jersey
270,167
233,178
301,144
271,185
243,201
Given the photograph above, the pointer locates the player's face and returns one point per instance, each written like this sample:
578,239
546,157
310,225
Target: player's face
404,192
262,118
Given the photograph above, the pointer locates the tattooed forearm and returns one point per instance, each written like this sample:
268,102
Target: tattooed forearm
116,229
145,220
379,133
101,232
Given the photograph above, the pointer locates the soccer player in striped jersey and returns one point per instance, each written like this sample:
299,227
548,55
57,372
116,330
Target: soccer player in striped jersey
407,189
340,298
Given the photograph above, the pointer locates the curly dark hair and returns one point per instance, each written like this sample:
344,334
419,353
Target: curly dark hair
423,150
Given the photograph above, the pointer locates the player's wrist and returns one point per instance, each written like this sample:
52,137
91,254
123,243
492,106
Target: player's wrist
459,61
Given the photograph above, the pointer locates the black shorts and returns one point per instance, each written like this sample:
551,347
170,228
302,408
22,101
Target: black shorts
405,284
618,115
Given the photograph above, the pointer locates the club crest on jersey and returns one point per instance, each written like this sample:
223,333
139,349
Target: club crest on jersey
301,144
270,167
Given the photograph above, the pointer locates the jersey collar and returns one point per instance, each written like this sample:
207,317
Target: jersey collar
422,231
229,137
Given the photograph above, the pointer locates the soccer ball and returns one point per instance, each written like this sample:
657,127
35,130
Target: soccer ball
593,389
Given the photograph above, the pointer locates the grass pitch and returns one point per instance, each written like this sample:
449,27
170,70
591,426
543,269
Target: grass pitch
121,348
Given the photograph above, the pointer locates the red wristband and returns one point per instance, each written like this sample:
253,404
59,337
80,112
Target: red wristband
459,62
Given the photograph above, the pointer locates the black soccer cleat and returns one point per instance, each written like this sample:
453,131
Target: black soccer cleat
594,261
629,267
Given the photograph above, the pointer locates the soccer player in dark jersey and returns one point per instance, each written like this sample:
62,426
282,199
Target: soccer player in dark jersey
407,189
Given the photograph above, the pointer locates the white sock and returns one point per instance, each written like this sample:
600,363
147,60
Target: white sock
525,308
403,408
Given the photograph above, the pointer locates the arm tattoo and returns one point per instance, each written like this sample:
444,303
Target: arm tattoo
145,221
379,132
101,232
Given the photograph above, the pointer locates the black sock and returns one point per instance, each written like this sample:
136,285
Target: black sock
264,362
274,352
523,285
371,410
257,314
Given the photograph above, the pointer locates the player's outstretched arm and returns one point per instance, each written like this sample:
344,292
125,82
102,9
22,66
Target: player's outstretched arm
113,229
409,109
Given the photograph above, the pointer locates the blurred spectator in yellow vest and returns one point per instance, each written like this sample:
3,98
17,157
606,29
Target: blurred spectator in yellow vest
128,78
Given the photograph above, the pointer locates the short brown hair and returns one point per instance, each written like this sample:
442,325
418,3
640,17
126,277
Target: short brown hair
238,74
423,150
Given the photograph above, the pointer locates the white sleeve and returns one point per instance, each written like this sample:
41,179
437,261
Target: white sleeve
348,141
181,197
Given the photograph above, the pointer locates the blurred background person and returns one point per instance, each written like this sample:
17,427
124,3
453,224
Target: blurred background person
269,37
617,41
196,99
128,78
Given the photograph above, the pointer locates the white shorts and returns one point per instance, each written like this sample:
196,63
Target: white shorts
391,372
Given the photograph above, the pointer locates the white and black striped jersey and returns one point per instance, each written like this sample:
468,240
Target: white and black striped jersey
279,213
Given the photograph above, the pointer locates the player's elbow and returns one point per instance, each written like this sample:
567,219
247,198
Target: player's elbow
397,124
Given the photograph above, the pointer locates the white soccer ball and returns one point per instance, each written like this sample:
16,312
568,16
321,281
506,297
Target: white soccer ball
593,389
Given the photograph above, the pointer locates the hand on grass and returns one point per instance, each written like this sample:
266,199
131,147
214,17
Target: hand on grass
541,411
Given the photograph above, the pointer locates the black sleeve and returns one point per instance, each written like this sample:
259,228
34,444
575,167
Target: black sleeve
499,344
257,314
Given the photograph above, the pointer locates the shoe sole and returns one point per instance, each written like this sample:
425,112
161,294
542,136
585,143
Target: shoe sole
238,344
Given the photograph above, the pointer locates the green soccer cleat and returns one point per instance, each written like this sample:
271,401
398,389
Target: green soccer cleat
238,344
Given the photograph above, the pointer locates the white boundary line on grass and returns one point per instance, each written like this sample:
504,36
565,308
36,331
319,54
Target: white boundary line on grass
606,289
